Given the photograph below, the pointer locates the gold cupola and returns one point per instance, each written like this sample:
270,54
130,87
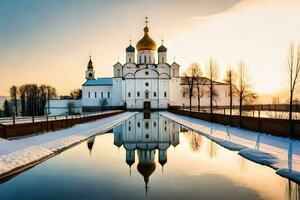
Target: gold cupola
146,43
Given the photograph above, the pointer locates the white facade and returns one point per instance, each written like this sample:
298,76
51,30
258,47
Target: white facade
146,78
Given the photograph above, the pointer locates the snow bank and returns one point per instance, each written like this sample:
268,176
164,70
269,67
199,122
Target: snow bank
276,152
259,157
22,152
290,174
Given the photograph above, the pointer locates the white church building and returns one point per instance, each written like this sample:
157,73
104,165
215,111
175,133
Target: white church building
146,79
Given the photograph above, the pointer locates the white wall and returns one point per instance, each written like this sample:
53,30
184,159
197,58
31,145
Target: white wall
60,106
90,99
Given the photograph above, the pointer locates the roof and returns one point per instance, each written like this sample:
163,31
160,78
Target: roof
98,81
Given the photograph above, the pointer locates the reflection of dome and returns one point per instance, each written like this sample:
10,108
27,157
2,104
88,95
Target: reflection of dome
146,169
146,43
162,162
129,162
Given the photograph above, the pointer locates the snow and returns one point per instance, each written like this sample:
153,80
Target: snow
275,152
23,152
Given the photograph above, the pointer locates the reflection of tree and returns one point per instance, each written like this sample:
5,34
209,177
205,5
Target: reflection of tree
212,149
195,140
291,190
242,163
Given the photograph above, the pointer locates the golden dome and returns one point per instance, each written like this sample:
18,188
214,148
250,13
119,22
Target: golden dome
146,43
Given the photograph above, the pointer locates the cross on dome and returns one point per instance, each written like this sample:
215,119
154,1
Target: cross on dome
146,20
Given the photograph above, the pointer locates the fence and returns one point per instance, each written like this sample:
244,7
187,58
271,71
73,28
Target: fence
277,127
25,129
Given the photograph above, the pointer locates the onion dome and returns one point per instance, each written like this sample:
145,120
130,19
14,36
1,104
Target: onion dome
162,48
130,48
146,43
90,63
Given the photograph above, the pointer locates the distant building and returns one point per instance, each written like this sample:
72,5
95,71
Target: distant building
145,79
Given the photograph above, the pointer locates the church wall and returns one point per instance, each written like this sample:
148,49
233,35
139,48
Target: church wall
117,92
91,95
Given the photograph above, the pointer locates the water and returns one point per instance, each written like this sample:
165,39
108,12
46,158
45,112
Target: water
162,161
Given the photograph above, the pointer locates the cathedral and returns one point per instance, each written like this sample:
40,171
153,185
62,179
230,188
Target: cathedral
145,80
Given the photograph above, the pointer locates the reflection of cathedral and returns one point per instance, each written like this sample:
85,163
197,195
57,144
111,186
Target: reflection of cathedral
145,136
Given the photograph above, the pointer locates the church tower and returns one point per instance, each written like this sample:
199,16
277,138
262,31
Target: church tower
130,51
162,53
90,73
146,47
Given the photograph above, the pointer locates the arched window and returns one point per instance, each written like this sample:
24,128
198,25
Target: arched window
129,94
162,59
165,94
154,94
90,75
130,60
149,59
145,59
138,94
140,59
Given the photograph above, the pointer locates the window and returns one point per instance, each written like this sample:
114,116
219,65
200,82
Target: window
108,95
146,125
89,94
174,72
130,60
146,84
146,95
140,59
154,94
162,59
138,94
183,94
165,94
129,94
101,94
147,136
138,124
119,73
90,75
145,59
154,124
149,59
146,73
129,128
95,94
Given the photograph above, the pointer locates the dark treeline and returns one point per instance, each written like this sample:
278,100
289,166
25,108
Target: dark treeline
28,100
33,98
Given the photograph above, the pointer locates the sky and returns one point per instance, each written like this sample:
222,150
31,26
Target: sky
50,41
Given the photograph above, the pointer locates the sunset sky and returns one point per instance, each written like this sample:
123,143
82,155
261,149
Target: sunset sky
50,41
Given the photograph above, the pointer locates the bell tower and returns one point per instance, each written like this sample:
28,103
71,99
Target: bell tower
90,73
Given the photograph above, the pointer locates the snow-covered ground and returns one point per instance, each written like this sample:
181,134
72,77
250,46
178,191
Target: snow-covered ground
282,154
19,153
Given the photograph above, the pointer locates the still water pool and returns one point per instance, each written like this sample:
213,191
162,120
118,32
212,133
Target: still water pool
148,159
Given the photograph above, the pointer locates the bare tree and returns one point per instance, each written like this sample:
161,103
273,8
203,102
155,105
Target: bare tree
76,94
190,76
243,89
230,79
14,102
200,82
293,64
212,76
